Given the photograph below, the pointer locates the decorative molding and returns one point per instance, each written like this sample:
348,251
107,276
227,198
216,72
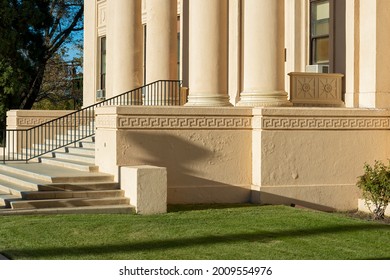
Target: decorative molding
34,121
174,122
31,121
316,89
325,123
101,18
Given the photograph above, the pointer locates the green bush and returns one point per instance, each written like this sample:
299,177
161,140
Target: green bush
375,184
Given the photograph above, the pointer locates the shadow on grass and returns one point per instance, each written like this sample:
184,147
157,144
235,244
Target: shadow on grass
166,244
194,207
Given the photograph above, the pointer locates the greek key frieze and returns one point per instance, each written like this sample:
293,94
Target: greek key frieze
321,123
32,121
190,122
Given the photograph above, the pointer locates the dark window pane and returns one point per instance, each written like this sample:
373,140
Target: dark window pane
103,63
321,50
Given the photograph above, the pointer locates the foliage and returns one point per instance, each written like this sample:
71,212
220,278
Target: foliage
62,85
375,184
32,33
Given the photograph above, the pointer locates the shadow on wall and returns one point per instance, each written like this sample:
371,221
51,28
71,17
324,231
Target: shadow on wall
192,158
180,157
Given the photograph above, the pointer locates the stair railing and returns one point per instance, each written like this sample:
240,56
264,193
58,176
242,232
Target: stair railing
76,126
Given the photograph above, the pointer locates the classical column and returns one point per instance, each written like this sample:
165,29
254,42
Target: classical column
263,54
161,47
124,46
161,40
208,53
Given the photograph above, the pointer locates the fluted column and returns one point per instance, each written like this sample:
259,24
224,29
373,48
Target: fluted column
208,53
263,54
124,46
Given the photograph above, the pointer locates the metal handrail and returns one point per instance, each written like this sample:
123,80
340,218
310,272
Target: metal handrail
74,127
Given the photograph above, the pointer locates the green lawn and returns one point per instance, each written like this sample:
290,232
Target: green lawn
246,232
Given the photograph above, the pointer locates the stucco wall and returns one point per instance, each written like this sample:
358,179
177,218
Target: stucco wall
207,151
313,157
306,156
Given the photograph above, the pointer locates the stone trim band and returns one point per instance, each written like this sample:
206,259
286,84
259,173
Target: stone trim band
174,122
324,123
242,122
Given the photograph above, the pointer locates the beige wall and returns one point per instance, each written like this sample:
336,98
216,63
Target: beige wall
206,151
311,157
25,119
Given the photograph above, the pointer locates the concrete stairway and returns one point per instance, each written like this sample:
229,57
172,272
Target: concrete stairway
64,181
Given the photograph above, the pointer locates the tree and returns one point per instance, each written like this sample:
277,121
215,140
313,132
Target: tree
62,84
32,33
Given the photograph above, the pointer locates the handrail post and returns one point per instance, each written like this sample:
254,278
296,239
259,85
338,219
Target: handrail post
25,146
4,144
74,131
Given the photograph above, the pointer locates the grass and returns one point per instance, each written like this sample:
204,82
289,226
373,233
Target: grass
230,232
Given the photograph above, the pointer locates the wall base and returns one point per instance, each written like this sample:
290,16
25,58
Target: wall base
209,195
319,197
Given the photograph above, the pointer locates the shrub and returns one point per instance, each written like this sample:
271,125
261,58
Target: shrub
375,184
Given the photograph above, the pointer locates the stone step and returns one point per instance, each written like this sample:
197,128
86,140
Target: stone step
14,189
79,186
71,136
81,158
45,173
86,144
58,142
39,152
41,195
41,148
103,209
21,179
80,151
78,165
83,131
6,199
71,202
64,141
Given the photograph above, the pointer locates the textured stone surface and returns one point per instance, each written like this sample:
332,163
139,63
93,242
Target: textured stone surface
147,188
267,155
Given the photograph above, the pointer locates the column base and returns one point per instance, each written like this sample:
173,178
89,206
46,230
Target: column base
208,101
264,99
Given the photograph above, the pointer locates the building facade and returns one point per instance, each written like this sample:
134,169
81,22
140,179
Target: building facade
261,76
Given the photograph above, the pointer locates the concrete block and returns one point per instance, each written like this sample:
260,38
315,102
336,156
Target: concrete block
146,186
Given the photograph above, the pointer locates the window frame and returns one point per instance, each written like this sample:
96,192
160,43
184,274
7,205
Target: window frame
313,39
102,62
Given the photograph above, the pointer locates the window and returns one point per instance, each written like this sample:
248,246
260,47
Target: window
319,31
102,82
